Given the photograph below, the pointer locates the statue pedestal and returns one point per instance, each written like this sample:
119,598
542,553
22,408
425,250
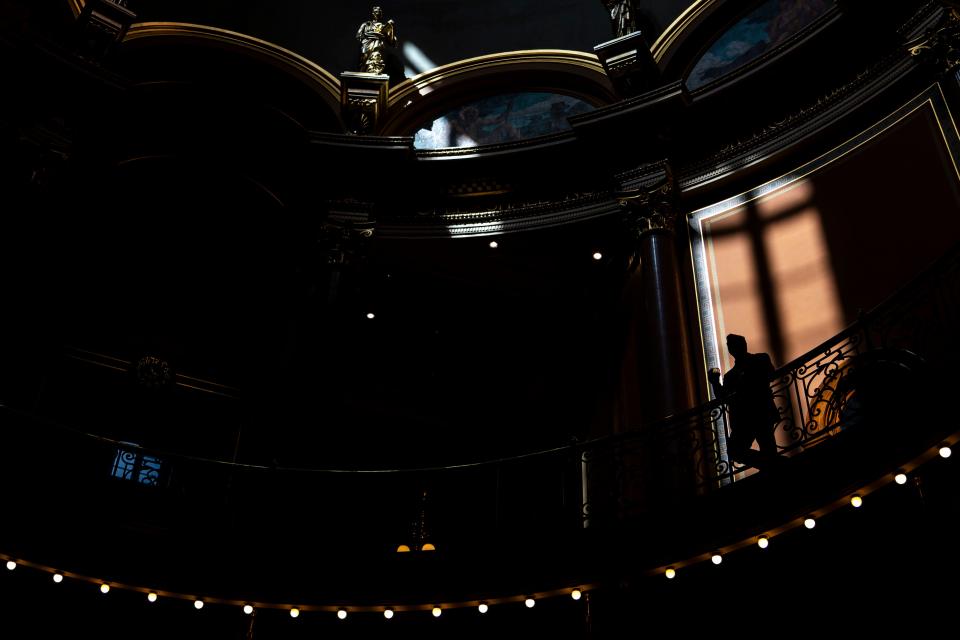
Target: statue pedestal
629,64
103,24
363,97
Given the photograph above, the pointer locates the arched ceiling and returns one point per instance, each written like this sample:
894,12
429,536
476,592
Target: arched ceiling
444,31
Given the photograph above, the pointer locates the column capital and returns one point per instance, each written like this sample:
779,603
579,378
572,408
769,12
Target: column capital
655,208
341,241
940,45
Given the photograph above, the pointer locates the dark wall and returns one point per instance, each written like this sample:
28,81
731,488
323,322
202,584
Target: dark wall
889,209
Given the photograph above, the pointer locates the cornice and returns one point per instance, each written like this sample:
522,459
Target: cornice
674,32
310,73
423,83
778,137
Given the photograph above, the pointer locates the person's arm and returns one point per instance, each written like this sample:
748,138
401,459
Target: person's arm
714,376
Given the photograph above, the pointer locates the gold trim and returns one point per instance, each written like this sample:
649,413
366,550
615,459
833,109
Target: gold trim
690,16
312,73
494,61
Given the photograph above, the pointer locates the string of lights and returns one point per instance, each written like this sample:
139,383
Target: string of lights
762,539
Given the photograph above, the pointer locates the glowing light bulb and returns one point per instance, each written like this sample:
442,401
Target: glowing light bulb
11,565
388,613
576,594
151,597
494,244
900,478
104,588
763,542
597,255
716,558
58,578
428,547
809,523
342,614
529,602
856,501
483,608
436,612
671,573
294,612
198,604
403,549
945,451
371,315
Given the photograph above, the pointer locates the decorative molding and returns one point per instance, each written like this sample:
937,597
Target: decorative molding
437,91
779,136
550,140
153,373
363,99
465,223
939,46
308,72
923,19
428,81
649,210
125,366
677,29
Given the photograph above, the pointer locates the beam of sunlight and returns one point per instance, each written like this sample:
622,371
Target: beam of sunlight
417,58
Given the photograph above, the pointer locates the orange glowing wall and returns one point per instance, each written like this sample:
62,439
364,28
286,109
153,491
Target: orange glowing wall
792,267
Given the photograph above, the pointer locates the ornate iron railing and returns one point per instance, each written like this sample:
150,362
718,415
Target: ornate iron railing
870,373
878,370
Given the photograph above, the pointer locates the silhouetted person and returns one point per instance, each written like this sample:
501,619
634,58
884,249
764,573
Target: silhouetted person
753,413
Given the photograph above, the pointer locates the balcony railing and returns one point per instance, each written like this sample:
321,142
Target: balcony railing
880,375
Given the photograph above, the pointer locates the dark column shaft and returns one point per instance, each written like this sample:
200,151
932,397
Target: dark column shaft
666,344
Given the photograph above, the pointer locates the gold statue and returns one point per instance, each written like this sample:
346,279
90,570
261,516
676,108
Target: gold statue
622,17
374,35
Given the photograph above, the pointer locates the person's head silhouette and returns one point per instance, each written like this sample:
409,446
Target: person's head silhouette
736,345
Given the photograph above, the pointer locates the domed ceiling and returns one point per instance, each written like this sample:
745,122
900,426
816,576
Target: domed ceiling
431,32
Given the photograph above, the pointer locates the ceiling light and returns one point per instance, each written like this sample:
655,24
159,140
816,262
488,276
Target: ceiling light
856,501
530,602
388,613
671,573
58,578
716,558
483,608
945,451
342,614
248,609
371,315
104,588
576,594
151,597
198,604
493,244
763,542
436,612
11,565
809,523
294,612
597,255
900,478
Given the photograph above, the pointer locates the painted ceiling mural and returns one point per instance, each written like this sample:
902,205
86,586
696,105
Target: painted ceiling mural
760,31
498,119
